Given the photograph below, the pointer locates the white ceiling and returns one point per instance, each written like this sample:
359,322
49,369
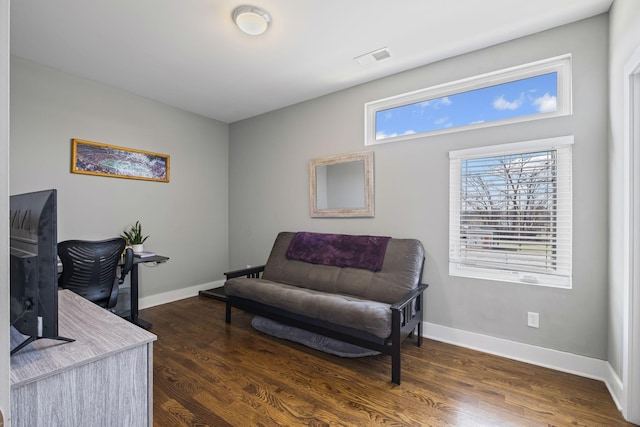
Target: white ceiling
189,54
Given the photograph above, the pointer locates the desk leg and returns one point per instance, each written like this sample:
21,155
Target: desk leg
133,318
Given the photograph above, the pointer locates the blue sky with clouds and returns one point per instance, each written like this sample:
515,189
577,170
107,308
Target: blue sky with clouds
519,98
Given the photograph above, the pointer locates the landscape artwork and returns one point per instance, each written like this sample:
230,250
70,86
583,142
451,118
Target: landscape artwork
93,158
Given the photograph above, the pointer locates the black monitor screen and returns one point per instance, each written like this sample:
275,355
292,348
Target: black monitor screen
33,264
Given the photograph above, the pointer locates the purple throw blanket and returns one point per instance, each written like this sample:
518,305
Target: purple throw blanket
340,250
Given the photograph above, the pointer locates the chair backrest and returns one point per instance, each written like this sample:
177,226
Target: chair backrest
89,268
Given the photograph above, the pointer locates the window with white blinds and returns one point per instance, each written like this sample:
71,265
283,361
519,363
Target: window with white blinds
510,212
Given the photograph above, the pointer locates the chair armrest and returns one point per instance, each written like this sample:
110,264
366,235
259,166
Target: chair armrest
252,272
113,298
126,267
410,296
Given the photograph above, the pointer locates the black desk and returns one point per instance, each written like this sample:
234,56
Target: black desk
133,316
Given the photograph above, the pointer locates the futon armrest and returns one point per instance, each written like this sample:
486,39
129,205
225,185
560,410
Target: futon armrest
407,298
252,272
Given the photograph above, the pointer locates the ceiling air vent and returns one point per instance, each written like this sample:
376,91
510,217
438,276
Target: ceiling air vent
375,56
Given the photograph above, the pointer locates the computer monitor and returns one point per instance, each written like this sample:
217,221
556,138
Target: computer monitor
34,266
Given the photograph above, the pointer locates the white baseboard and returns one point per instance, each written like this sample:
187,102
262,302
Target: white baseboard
614,385
558,360
176,295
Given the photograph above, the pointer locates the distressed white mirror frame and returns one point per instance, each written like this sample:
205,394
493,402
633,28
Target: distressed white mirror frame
365,211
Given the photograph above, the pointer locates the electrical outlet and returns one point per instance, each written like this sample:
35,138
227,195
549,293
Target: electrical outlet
533,320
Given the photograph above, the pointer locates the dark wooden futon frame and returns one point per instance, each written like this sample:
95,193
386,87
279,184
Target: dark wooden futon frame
406,317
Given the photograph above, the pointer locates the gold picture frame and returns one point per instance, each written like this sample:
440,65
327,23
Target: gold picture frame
94,158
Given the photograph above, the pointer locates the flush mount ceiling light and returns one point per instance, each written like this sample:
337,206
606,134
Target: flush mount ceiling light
251,20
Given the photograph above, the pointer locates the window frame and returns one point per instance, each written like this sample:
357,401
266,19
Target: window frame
564,223
559,64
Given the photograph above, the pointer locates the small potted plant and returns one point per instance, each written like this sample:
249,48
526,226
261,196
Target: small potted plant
135,238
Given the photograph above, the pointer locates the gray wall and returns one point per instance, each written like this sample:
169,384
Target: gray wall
185,218
624,40
268,182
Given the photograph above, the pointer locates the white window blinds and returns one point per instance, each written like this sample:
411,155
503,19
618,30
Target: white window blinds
510,212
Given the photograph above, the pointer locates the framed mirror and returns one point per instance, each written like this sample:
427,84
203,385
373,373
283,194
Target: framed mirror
342,185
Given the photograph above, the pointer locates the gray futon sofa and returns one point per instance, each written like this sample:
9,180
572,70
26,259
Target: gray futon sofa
362,290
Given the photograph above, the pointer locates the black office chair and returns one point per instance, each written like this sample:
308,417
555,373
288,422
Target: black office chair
90,268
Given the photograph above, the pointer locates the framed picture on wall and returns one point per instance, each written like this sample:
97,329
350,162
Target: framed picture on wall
94,158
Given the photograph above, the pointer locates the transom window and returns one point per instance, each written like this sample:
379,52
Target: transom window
532,91
510,212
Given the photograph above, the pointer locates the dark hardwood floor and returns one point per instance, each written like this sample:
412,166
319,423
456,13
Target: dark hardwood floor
208,373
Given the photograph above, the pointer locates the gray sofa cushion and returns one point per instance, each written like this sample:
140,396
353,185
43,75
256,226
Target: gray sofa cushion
400,272
310,339
345,310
